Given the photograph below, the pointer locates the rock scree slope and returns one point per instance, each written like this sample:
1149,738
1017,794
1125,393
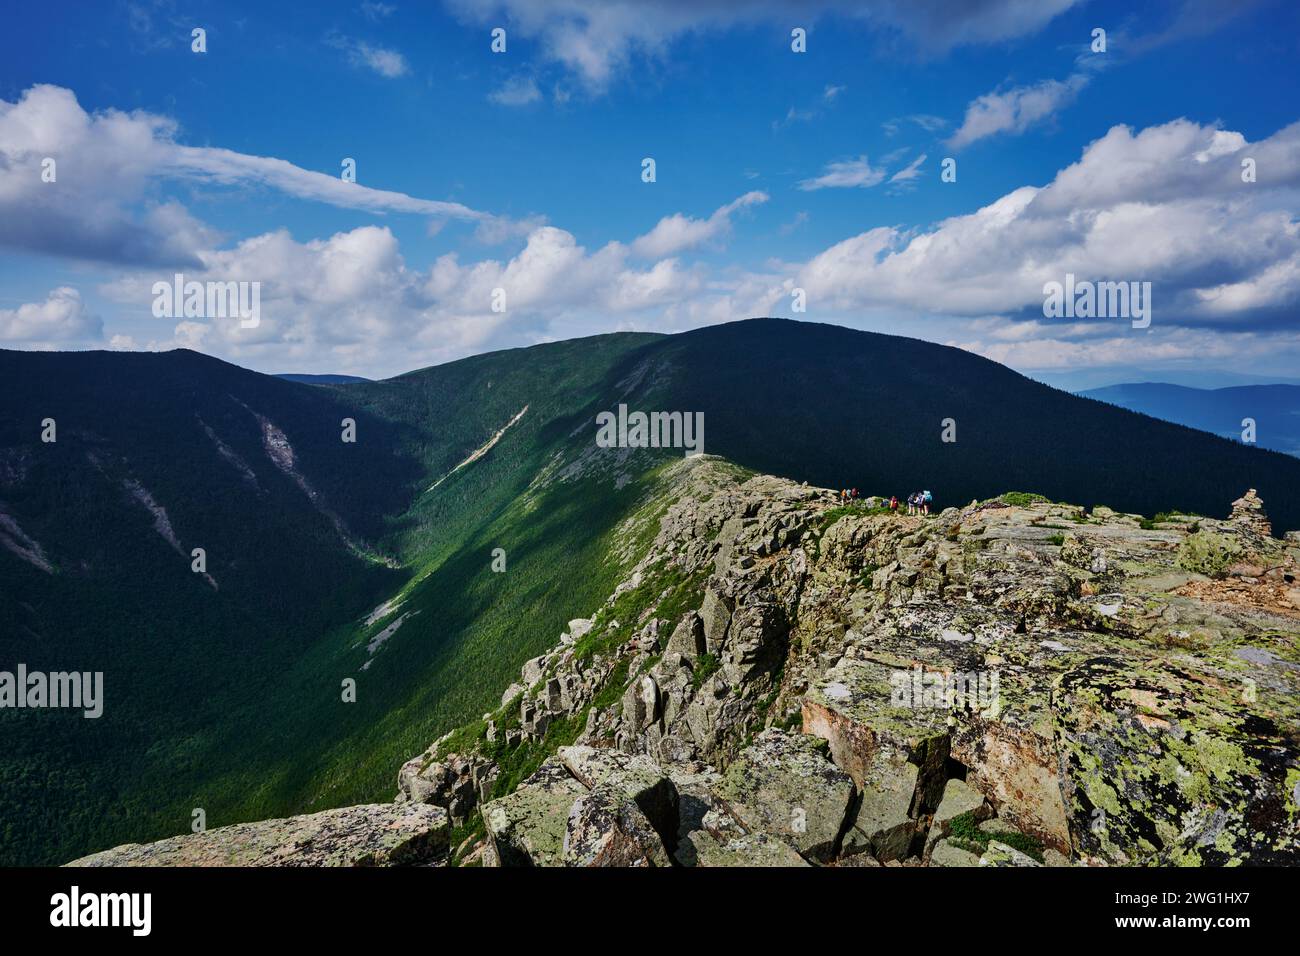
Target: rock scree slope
782,680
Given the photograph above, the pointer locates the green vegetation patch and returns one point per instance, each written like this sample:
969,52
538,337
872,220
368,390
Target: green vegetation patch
964,832
665,588
706,665
1022,499
463,739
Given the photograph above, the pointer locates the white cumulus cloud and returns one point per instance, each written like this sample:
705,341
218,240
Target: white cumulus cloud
62,317
1166,205
676,233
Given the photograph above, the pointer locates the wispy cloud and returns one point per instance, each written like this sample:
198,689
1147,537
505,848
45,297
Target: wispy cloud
846,174
387,63
927,122
104,205
226,167
796,115
792,116
799,221
909,172
519,91
375,11
146,34
1015,110
596,39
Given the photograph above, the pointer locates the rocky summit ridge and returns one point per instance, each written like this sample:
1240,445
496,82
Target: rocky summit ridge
784,680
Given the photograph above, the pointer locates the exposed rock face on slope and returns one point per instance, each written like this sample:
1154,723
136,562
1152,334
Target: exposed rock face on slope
998,685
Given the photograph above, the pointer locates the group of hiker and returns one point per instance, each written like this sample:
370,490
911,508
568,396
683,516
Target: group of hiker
918,503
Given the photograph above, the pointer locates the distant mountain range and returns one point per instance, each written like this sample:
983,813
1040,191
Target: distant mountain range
1275,409
1088,379
327,560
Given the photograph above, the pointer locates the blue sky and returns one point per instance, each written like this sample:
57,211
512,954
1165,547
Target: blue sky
775,171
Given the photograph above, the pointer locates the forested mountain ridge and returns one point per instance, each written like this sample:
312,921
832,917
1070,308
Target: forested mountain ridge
839,407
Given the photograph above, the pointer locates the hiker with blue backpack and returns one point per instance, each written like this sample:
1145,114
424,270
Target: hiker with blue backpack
918,503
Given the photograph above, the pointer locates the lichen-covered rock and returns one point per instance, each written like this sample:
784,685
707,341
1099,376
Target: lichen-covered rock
884,825
947,854
528,827
1210,552
720,839
457,783
532,671
715,618
958,798
999,854
785,786
1117,690
688,637
369,835
641,703
635,777
606,827
1016,764
747,850
1164,763
854,707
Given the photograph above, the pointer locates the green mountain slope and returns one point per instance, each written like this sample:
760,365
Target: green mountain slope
156,455
228,698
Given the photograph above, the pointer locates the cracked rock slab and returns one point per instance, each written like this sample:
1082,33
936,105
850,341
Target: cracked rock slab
873,740
384,834
528,826
884,826
946,854
721,840
784,785
607,828
634,777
